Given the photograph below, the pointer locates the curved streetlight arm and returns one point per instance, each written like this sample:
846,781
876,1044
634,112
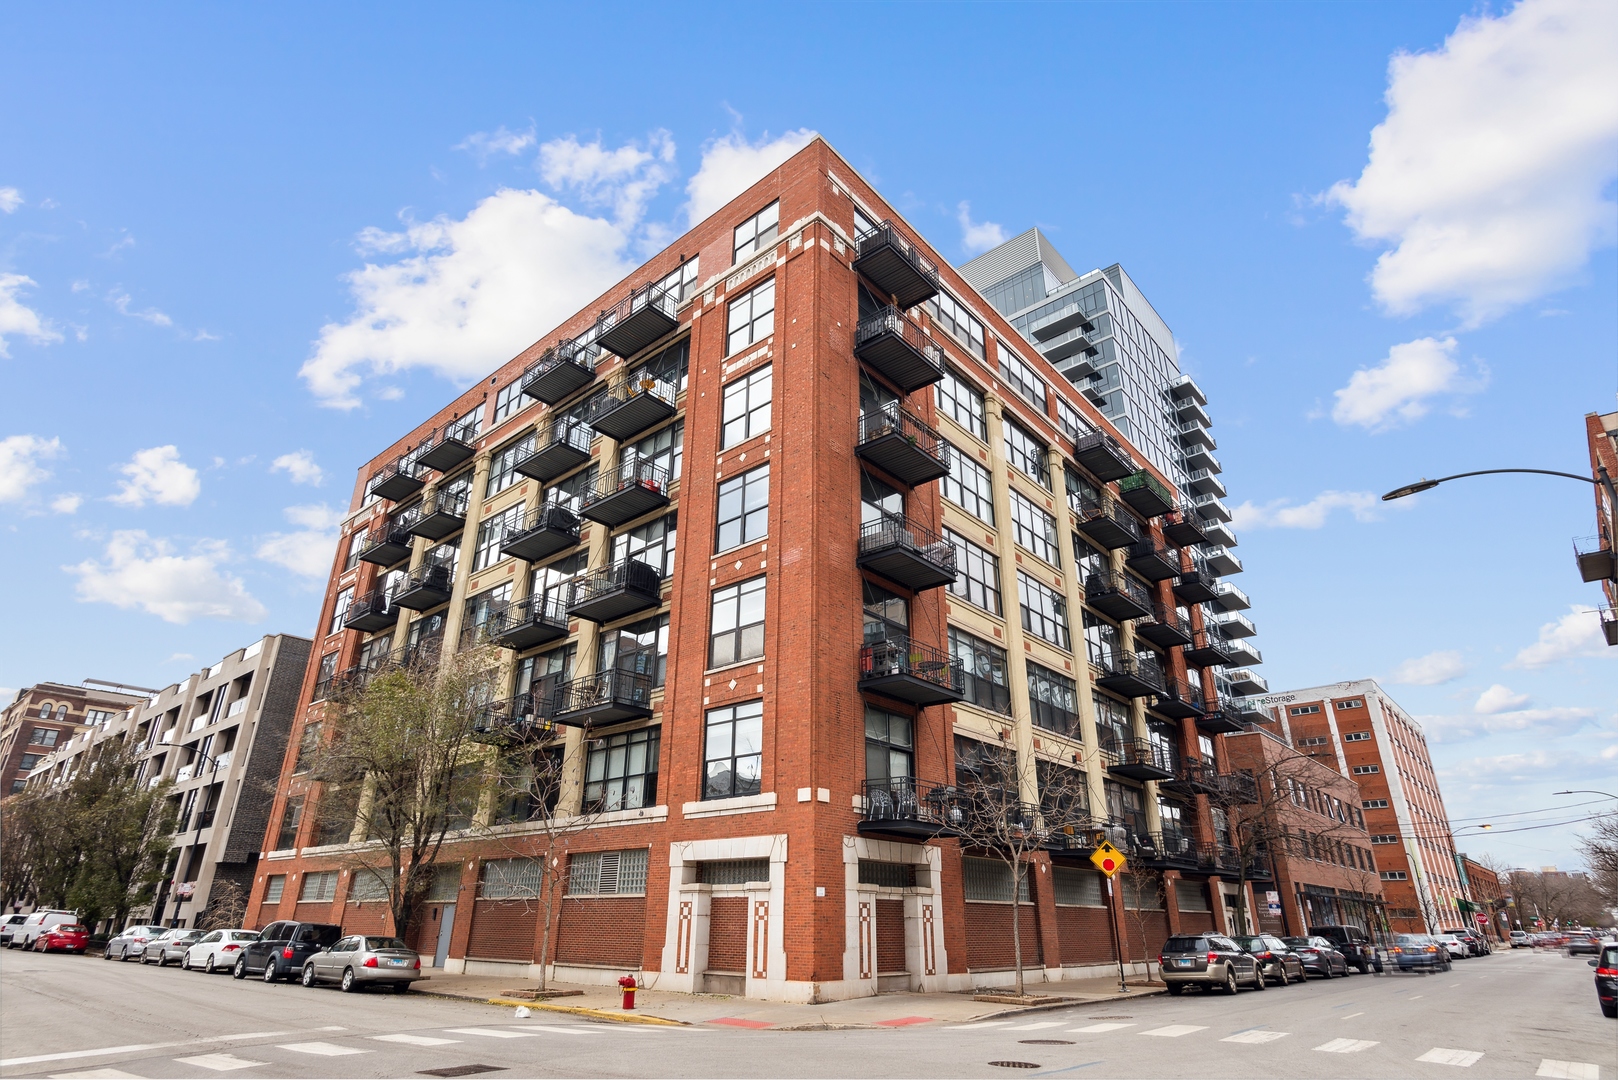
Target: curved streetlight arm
1600,480
1586,791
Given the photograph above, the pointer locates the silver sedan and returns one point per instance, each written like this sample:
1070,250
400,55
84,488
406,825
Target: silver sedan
360,960
170,947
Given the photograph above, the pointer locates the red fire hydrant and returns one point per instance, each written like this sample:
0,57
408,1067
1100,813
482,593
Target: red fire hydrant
628,985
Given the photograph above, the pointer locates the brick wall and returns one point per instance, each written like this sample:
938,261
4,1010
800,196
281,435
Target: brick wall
251,816
727,934
602,930
1086,938
988,937
504,930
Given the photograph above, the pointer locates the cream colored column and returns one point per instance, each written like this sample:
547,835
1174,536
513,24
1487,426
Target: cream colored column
1094,767
463,562
1022,726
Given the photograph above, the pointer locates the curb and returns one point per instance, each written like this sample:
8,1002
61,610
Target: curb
1025,1009
584,1010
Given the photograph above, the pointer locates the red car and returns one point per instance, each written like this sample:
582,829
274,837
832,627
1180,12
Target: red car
69,937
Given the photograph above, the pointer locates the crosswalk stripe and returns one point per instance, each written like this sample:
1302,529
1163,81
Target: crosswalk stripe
1350,1016
414,1040
494,1033
1259,1036
322,1049
95,1074
1439,1055
979,1024
1346,1046
1568,1070
220,1062
1039,1026
1100,1027
568,1030
1174,1031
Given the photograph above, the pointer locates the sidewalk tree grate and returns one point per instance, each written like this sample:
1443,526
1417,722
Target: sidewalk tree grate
1015,1064
462,1070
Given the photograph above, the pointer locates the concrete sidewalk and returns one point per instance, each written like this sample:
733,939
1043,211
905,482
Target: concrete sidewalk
883,1010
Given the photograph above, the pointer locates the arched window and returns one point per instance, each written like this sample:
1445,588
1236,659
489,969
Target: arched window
45,711
61,712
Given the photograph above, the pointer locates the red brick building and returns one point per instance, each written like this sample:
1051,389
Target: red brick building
46,716
902,535
1595,553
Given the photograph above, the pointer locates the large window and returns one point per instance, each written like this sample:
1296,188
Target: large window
570,492
1112,721
622,775
1034,529
1075,425
990,880
887,614
1054,700
1027,454
961,402
1044,611
44,736
651,543
985,667
757,232
890,747
641,647
752,317
1020,377
967,484
492,532
503,465
356,544
339,612
733,750
681,282
738,623
747,407
977,577
663,449
607,873
959,323
509,401
291,816
744,509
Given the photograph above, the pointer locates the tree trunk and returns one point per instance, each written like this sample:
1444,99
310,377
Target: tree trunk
545,934
1016,920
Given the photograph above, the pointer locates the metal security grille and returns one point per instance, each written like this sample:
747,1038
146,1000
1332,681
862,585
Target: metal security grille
607,873
272,891
733,871
510,879
319,887
1077,888
892,874
369,885
1191,896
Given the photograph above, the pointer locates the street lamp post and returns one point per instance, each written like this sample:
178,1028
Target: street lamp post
1600,480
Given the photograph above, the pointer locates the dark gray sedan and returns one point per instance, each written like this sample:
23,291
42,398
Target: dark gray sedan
1320,957
169,948
362,960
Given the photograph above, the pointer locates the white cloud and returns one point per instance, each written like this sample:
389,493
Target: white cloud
1433,669
1397,389
1498,699
67,503
625,178
732,164
1544,722
1578,633
1311,515
157,474
20,470
15,318
1490,176
300,466
123,301
10,199
308,551
139,571
977,236
485,144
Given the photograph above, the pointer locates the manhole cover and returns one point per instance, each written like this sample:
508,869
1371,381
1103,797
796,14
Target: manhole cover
462,1070
1046,1042
1016,1064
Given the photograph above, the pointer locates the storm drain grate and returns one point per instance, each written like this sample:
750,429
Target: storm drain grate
1046,1042
462,1070
1015,1064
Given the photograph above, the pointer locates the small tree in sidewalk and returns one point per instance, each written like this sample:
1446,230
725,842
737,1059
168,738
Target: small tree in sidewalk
1138,887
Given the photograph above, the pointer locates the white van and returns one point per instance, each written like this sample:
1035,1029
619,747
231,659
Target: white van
23,936
12,924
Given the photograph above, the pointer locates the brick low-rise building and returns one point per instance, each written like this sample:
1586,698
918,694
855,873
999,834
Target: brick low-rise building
903,536
48,715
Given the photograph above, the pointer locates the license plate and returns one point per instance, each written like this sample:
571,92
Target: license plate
1183,963
397,963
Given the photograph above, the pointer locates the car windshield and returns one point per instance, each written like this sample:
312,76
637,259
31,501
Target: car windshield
1251,942
1296,941
244,935
375,943
71,928
1187,944
320,935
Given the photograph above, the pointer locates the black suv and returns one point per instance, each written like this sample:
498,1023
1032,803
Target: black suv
1355,945
282,948
1208,961
1606,966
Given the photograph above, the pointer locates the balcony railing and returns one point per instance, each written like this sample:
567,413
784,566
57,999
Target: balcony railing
1609,625
450,445
1196,585
621,589
1193,433
546,532
641,319
427,586
607,697
1209,648
634,402
1105,523
1165,629
1117,595
907,553
441,515
1180,699
1167,848
1246,681
1137,759
1232,598
388,544
1103,455
511,722
1221,718
634,488
1235,624
1595,558
1184,528
1146,493
1152,560
531,621
907,670
899,350
1195,776
899,444
562,370
374,611
1211,507
397,480
1205,482
559,447
1127,673
907,807
894,265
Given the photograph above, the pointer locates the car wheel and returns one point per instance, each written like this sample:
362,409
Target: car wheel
401,988
1286,976
1325,970
185,961
207,965
1176,989
1230,981
347,984
143,960
1259,982
1365,966
163,959
1609,1011
308,974
269,970
240,970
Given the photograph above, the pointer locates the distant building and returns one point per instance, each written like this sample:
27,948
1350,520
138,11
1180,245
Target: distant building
1595,554
48,715
1488,894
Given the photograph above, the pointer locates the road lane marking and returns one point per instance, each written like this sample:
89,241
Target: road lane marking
1438,1055
1350,1016
1174,1031
322,1049
980,1024
414,1040
220,1062
1038,1026
1413,997
69,1055
95,1074
1102,1027
1346,1046
568,1030
1257,1036
258,1035
1568,1070
493,1033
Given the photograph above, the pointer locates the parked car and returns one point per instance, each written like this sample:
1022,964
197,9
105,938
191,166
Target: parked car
67,937
1584,943
1474,944
1419,952
1208,961
1606,966
1279,962
282,948
217,951
36,922
1354,943
169,947
360,961
1319,956
11,924
1519,939
1458,949
132,942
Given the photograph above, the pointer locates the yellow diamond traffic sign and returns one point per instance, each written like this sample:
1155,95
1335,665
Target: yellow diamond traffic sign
1108,859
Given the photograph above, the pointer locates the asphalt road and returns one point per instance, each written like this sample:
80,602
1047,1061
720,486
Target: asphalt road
1513,1014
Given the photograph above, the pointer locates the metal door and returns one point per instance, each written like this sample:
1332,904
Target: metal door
446,926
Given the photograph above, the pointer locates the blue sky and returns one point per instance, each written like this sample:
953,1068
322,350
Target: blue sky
241,248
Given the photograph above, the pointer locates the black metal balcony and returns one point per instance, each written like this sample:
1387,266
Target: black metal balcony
1208,649
1239,787
1248,709
1180,699
1139,759
621,589
1220,719
910,671
397,480
1183,528
1165,629
1106,524
1169,848
1197,585
511,723
531,621
636,487
899,444
1146,494
1127,674
1103,455
1195,776
1152,560
913,809
372,612
388,544
441,515
897,348
546,532
450,445
427,586
559,448
633,403
607,697
644,317
895,266
906,553
1595,558
1258,864
1117,595
562,370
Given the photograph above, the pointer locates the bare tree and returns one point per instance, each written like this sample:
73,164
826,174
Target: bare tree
1141,886
227,906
